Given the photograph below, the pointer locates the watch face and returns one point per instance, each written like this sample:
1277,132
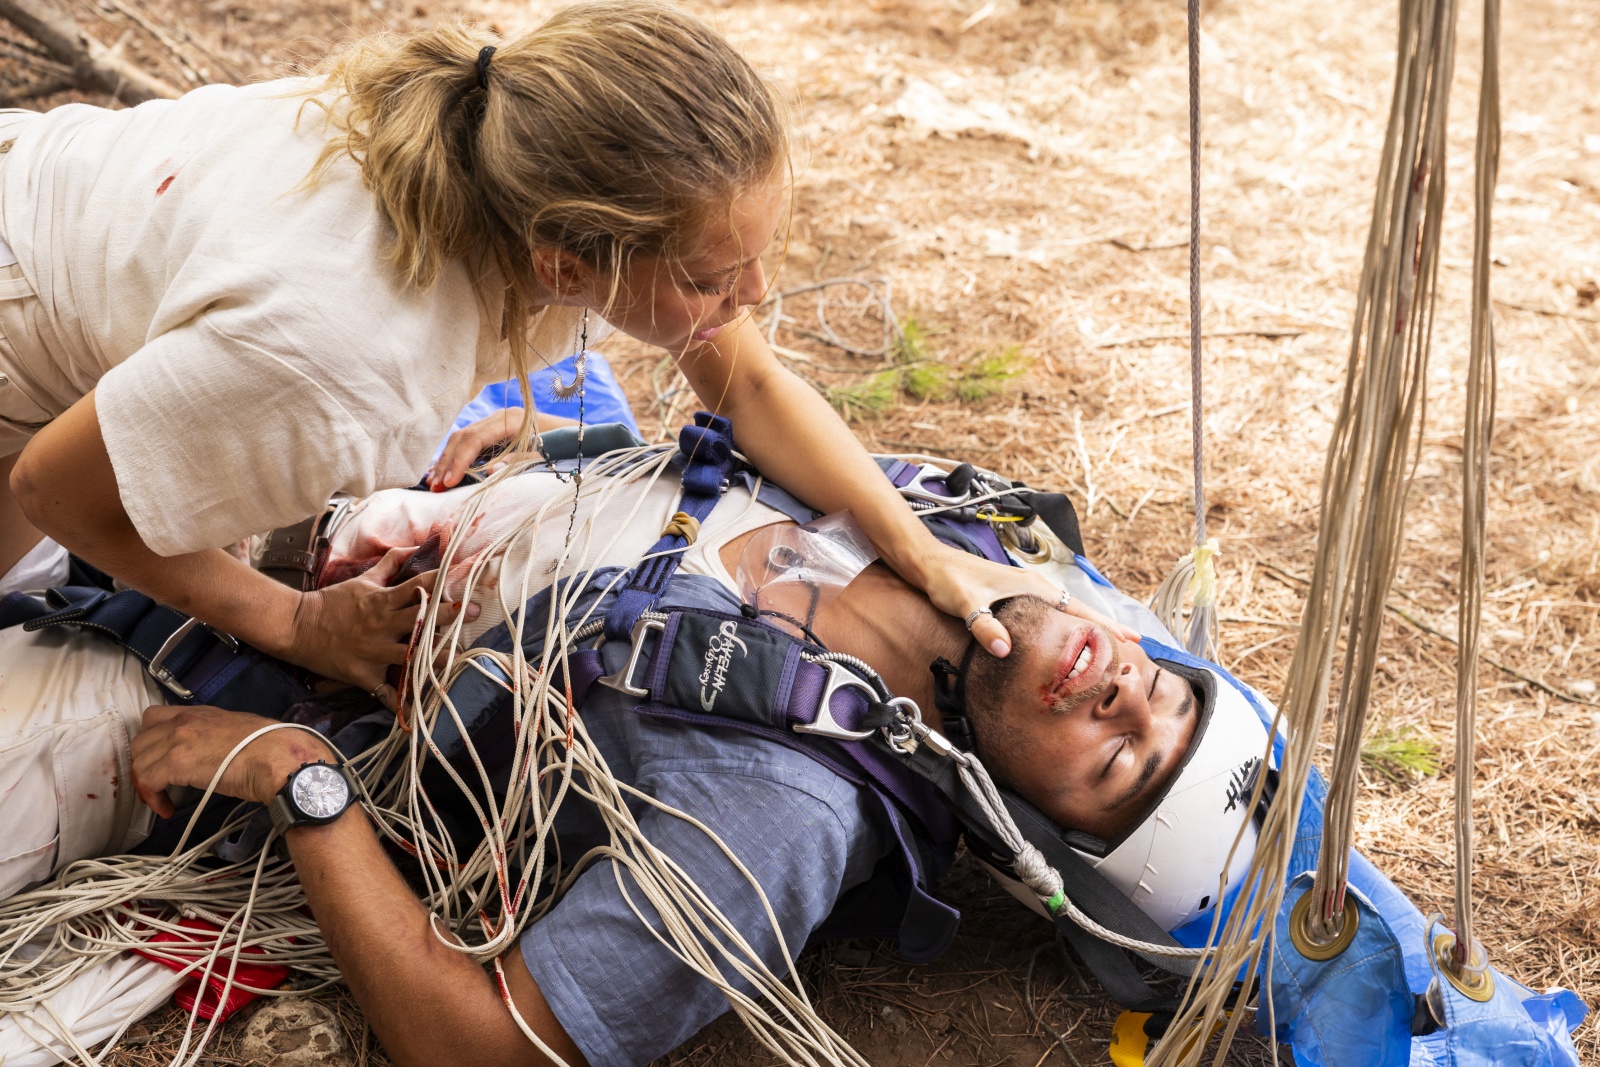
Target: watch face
320,791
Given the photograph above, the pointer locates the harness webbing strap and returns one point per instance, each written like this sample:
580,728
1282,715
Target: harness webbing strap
188,660
707,447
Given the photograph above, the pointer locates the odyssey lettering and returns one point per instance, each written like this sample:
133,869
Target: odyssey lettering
719,656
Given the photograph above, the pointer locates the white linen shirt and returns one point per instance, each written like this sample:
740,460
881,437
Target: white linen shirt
251,351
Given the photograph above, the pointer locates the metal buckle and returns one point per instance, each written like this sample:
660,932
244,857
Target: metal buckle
916,490
157,669
826,725
910,733
622,680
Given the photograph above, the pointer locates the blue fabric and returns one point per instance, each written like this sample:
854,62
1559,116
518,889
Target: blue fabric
707,449
603,398
801,830
1365,985
1094,576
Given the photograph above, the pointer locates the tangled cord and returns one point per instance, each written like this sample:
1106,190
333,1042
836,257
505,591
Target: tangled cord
480,901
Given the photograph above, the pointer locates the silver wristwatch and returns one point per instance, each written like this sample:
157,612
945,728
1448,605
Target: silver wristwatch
316,794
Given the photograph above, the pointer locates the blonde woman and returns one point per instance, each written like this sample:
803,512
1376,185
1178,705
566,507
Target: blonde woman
225,308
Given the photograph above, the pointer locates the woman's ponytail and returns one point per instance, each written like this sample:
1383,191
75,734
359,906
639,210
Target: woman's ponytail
612,130
411,110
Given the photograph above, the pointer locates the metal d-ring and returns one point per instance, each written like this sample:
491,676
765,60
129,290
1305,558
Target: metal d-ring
1313,948
825,724
622,680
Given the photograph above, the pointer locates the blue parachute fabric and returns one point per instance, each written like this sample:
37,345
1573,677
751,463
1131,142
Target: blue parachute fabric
1094,576
1517,1027
1353,1009
603,398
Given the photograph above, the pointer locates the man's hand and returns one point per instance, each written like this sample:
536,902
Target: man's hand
959,584
184,746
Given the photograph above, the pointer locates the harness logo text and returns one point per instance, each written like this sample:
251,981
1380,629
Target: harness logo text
719,656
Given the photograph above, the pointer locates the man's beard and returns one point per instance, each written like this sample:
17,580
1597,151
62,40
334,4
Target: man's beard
992,683
990,678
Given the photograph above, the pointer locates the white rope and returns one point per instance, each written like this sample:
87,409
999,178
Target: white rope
1194,575
477,903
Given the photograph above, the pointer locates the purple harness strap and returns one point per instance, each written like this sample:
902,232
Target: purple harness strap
847,709
707,447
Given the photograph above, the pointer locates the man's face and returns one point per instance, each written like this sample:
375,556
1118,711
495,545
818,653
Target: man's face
1084,725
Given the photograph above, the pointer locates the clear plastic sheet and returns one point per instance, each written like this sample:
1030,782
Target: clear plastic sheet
790,573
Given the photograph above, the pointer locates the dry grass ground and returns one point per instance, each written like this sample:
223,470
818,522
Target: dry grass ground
1060,239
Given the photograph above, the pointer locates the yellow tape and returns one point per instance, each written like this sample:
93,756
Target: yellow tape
1203,583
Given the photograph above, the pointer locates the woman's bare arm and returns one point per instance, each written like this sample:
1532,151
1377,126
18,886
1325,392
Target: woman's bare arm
791,433
352,632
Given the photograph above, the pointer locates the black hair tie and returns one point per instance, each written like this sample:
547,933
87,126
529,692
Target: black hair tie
485,54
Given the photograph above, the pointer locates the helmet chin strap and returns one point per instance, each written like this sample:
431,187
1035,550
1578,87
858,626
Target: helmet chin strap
950,698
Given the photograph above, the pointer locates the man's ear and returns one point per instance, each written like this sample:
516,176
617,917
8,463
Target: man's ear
563,273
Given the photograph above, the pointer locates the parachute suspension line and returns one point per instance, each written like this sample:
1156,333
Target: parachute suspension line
1370,460
1376,438
1477,438
1202,638
1194,575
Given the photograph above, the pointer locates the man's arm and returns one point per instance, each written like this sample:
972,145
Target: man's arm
428,1003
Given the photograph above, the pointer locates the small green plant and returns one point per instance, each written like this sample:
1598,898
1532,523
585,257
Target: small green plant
1401,755
920,375
867,398
987,374
912,344
926,381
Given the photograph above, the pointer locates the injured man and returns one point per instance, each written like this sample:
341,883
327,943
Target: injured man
772,720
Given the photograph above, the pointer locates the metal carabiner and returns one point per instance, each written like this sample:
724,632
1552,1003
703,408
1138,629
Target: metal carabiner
915,489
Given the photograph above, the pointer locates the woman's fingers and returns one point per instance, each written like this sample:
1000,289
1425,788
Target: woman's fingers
1083,611
387,695
466,444
965,586
991,635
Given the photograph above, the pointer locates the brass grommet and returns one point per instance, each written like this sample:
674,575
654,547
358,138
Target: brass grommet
1310,947
1475,983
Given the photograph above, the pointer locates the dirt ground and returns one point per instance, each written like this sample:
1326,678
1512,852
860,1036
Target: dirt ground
1042,262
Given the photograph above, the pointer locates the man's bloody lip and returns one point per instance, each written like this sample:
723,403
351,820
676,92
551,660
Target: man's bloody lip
1086,635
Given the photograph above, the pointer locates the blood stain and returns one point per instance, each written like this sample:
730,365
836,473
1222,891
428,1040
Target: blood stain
93,796
167,184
